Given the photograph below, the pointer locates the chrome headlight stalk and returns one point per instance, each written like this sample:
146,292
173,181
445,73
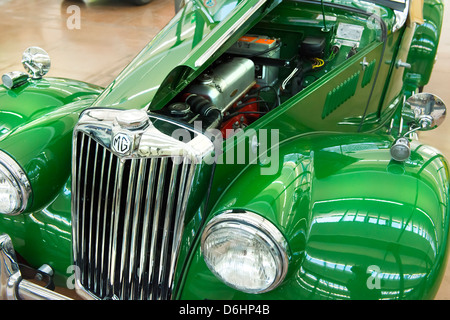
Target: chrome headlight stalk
36,62
15,189
132,134
245,251
148,175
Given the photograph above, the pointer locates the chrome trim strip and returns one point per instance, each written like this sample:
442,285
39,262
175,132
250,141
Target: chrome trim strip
90,266
12,286
9,268
155,222
99,265
401,17
125,229
134,229
184,192
83,212
104,229
255,224
114,230
167,223
147,216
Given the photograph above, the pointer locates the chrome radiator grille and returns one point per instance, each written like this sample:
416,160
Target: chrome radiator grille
127,220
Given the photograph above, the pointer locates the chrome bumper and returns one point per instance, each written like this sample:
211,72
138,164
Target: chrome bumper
12,286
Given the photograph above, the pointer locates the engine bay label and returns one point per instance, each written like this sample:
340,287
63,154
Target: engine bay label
210,3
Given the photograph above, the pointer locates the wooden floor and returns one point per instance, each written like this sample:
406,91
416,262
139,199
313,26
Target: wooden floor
112,32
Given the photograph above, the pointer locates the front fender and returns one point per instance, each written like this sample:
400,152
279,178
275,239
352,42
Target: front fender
359,225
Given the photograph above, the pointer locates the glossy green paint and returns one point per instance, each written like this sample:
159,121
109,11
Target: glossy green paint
345,208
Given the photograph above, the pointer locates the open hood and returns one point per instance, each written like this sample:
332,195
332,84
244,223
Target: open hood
200,32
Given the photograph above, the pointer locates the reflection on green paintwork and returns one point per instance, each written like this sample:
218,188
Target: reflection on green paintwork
179,43
348,239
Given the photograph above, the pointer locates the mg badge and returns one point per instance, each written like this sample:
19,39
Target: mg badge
121,143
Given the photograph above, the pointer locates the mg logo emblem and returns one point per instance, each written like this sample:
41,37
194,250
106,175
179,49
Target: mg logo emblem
121,143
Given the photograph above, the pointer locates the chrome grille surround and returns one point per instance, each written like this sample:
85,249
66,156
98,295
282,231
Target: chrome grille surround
128,208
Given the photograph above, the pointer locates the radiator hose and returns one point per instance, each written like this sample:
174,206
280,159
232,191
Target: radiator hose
210,113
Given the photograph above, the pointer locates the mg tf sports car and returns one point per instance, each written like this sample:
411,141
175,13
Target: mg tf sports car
254,149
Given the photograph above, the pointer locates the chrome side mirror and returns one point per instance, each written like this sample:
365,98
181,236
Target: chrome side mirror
36,62
424,111
14,79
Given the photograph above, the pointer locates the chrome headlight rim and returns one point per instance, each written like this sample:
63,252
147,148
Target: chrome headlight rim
19,180
264,229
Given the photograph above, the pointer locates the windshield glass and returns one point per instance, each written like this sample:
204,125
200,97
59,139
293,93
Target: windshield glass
398,5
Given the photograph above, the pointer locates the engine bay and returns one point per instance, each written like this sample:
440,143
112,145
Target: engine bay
276,60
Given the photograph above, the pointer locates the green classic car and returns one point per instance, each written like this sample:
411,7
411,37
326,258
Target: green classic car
254,149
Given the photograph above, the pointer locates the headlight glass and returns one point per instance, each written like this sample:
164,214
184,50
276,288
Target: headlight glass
245,251
15,188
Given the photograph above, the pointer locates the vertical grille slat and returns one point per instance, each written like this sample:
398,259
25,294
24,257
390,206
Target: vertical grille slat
91,228
186,181
85,204
100,231
128,220
114,239
166,230
77,203
149,204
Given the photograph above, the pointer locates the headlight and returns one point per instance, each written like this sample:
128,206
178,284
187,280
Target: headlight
15,188
245,251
